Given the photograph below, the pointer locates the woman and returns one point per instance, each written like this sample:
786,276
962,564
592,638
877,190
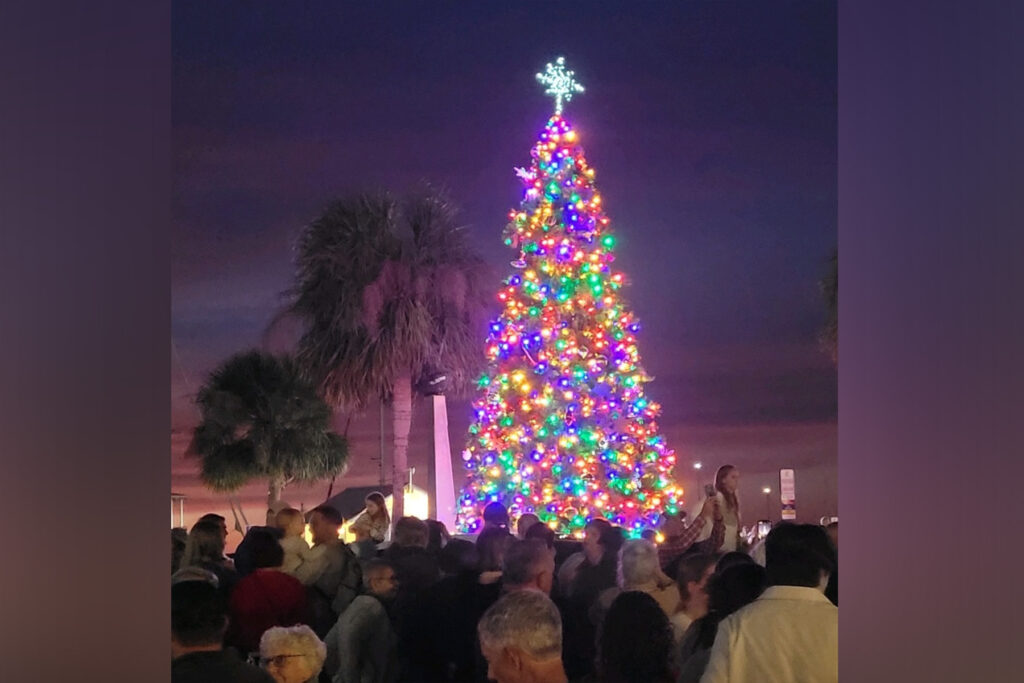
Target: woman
635,642
727,481
205,549
692,579
265,597
728,591
293,654
374,520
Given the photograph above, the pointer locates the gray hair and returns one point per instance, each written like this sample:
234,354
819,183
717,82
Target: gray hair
523,560
299,638
527,620
638,562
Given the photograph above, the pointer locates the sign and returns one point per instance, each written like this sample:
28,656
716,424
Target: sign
787,492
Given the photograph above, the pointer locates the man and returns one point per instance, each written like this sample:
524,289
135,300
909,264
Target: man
330,570
198,622
362,645
526,520
528,565
521,638
790,633
495,515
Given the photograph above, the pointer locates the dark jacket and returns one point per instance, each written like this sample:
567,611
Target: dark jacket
222,666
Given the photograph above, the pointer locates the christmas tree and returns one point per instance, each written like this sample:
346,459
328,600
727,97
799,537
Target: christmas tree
562,427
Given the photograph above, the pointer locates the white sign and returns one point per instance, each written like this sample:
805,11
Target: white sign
787,493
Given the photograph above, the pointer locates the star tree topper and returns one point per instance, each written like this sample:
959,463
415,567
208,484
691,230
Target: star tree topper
560,83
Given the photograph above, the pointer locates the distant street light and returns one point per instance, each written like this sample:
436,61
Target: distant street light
697,465
767,502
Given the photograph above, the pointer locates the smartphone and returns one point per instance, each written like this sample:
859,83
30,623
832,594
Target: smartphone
709,490
763,527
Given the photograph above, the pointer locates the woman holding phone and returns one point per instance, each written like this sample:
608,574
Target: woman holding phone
727,480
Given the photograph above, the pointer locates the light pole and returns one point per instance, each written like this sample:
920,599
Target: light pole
767,502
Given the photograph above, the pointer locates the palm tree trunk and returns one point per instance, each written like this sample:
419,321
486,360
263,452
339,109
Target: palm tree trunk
401,398
274,490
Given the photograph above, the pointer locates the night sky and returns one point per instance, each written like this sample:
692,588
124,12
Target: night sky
712,128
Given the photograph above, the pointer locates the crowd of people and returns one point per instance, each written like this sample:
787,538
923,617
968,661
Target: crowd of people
410,602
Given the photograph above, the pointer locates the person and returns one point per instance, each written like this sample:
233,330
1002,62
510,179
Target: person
491,544
638,570
521,639
635,641
198,622
528,565
453,649
293,538
692,579
179,537
832,589
727,481
265,597
219,521
437,537
330,570
526,520
195,574
495,515
362,645
732,559
542,532
243,553
205,549
292,654
679,538
728,590
374,521
791,632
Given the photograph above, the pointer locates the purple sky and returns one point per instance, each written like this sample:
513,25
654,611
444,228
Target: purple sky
712,128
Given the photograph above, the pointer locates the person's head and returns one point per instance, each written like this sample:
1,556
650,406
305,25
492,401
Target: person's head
437,535
735,587
521,638
324,523
543,533
179,537
198,617
265,550
593,547
527,565
491,544
376,508
290,521
458,556
495,515
195,574
379,579
727,482
799,555
731,559
692,577
672,526
218,520
635,641
526,520
292,654
272,511
649,535
205,544
638,563
411,532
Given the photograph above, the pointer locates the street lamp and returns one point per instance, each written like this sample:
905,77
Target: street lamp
697,465
767,502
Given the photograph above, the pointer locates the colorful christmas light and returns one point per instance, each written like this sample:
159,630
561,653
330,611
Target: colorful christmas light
562,427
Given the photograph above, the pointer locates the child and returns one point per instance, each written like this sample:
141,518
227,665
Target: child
291,522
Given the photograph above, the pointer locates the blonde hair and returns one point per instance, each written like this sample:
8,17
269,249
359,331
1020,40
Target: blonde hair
205,544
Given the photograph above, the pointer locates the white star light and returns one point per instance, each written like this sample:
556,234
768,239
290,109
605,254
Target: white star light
560,83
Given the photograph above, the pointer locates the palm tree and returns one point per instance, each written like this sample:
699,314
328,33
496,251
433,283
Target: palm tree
829,286
262,418
390,293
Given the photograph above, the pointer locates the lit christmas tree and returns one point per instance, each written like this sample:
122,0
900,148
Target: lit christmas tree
562,427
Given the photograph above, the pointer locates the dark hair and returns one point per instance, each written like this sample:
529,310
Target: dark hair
611,539
411,531
330,514
796,554
437,535
264,550
496,513
635,641
728,591
491,544
374,567
731,501
198,614
691,568
731,559
542,532
457,556
521,561
213,517
178,538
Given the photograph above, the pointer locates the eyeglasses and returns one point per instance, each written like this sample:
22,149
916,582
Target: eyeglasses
276,660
